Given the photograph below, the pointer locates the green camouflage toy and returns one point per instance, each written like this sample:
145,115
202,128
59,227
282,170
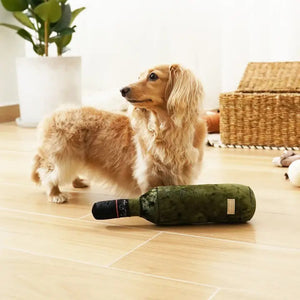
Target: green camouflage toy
186,204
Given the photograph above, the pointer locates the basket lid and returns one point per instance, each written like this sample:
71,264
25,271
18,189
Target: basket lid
271,77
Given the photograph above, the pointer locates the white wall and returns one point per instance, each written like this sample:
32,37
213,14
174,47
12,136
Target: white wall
11,46
257,30
118,39
215,38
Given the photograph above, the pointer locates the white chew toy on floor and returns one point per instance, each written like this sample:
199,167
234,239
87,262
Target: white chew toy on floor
291,160
294,172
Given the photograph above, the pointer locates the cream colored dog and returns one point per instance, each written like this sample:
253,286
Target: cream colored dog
161,143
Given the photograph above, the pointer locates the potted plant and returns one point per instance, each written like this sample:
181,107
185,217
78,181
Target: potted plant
45,83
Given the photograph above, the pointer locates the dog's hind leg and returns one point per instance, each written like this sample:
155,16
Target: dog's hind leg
50,180
80,183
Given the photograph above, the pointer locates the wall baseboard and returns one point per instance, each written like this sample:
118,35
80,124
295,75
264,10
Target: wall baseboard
9,113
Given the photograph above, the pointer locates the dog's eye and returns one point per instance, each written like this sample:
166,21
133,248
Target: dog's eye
153,77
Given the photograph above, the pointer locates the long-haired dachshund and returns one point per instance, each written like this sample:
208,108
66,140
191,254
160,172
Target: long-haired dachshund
161,143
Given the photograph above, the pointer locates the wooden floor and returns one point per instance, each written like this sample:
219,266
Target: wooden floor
50,251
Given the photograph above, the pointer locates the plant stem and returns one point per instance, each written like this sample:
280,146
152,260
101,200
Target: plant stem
46,37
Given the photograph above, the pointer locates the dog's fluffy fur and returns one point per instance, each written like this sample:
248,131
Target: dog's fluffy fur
161,143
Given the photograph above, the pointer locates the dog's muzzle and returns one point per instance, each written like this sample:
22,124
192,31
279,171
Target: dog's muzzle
124,91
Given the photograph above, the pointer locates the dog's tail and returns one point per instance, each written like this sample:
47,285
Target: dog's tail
35,177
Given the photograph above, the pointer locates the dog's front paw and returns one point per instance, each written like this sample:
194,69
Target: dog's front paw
60,198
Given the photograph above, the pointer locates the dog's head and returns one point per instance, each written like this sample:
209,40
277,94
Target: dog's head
167,87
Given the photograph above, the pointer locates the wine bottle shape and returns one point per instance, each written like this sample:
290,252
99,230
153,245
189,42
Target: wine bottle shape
189,204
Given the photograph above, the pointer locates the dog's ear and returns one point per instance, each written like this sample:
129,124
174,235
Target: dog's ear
184,95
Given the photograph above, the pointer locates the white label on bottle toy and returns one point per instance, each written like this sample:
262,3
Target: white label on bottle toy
230,206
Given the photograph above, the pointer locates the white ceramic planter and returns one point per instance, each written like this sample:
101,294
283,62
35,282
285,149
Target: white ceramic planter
44,84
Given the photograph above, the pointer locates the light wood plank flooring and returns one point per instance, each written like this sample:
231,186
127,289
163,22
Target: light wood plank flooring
50,251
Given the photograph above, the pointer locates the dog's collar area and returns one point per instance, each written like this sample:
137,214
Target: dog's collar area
139,101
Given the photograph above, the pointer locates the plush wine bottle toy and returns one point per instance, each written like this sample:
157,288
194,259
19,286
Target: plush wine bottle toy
190,204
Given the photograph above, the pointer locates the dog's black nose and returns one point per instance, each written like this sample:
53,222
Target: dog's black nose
124,91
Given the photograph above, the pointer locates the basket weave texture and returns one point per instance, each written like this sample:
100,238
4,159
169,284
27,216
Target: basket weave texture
262,113
271,77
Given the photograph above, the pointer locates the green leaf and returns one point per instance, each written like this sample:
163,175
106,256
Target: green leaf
61,35
22,18
65,19
14,5
75,13
25,35
66,31
66,39
62,40
49,11
11,26
39,49
35,3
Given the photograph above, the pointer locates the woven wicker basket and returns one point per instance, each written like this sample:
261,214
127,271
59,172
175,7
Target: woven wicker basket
265,110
